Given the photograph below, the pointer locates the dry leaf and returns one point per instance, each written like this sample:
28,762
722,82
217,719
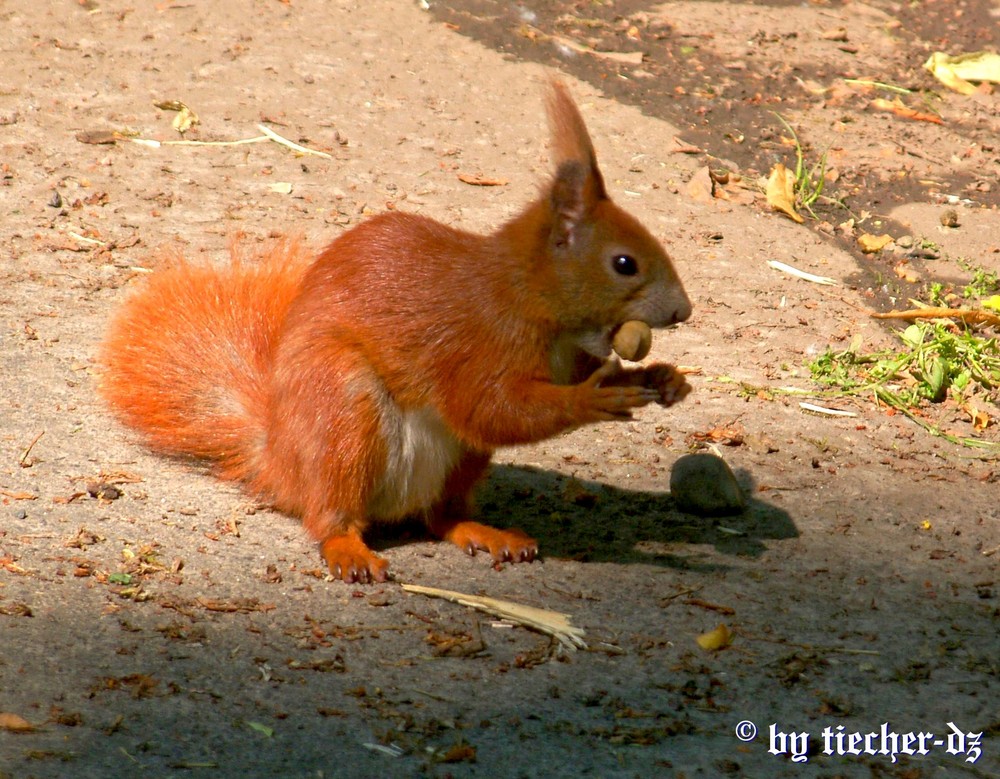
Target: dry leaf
980,419
873,243
838,34
716,639
900,109
18,495
905,272
234,605
680,147
460,753
14,723
9,609
732,434
479,181
97,137
781,192
701,187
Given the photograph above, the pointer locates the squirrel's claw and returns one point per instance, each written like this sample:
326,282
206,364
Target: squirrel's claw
351,561
513,546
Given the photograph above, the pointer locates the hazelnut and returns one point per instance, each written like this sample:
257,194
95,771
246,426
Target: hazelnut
633,341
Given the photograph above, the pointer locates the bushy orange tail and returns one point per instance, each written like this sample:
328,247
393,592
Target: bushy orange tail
187,358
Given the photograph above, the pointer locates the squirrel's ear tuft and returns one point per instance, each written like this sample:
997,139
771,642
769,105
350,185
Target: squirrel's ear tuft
571,198
570,141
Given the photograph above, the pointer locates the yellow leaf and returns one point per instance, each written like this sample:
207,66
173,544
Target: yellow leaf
956,72
185,120
873,243
925,525
781,192
14,723
716,639
992,303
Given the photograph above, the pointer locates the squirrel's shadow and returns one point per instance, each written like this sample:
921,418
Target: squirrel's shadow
594,522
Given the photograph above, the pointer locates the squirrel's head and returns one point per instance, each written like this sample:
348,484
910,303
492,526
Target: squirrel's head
610,269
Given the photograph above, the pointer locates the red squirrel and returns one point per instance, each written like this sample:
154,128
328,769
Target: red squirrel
373,382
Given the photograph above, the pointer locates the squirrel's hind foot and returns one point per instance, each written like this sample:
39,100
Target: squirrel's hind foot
514,546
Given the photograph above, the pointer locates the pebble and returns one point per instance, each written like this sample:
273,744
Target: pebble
704,485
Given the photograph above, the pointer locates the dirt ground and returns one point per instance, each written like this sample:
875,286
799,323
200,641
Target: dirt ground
154,622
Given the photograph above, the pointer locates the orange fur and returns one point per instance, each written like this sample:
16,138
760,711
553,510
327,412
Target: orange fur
188,355
375,382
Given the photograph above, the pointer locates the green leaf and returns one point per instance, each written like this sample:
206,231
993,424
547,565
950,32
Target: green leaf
261,728
913,336
936,378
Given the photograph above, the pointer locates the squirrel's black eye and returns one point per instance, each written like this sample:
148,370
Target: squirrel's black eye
625,265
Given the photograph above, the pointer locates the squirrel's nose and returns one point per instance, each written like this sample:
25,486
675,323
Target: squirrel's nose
682,310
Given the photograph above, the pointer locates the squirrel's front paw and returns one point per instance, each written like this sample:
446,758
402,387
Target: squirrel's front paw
612,393
671,385
350,560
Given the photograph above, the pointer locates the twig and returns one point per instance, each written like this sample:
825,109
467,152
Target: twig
704,604
290,144
965,314
801,274
390,751
842,650
269,135
23,462
432,695
680,593
878,85
833,412
919,154
157,144
85,239
552,623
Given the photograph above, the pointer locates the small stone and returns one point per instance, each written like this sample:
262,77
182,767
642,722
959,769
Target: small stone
704,485
949,218
103,491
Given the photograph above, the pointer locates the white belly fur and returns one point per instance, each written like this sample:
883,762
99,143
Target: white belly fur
420,453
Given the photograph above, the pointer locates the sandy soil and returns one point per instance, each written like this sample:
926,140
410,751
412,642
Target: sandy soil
169,626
